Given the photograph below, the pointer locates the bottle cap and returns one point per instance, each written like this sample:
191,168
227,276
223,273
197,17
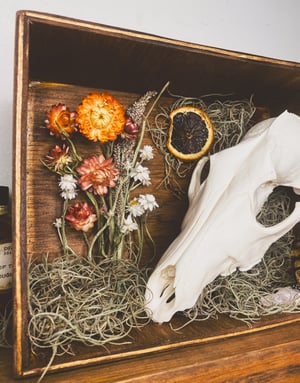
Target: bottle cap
4,195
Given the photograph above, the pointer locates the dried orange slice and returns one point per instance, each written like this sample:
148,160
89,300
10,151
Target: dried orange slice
191,133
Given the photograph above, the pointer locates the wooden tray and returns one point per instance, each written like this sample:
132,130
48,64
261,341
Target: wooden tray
61,60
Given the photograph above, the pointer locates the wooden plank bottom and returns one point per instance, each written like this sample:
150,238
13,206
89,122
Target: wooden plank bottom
271,355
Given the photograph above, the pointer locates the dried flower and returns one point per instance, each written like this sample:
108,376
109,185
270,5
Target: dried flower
97,174
58,223
67,182
100,117
81,216
146,153
131,129
147,201
134,208
61,121
68,194
128,225
58,158
68,185
136,111
141,173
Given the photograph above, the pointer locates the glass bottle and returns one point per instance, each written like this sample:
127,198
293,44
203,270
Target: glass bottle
6,268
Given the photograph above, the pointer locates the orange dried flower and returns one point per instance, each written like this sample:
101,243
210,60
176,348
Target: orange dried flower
81,216
58,158
97,174
61,121
100,117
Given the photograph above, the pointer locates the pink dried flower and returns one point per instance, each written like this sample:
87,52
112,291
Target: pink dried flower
97,174
81,216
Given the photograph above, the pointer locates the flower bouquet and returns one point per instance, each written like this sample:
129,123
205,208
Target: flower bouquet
95,297
104,179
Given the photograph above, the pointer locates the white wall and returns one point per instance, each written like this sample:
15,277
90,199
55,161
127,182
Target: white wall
263,27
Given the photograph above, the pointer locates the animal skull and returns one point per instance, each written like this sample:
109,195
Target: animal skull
220,232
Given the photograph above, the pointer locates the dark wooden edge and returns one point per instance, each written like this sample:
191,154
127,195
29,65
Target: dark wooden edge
33,16
19,186
222,340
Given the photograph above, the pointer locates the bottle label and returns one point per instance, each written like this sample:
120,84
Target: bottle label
6,267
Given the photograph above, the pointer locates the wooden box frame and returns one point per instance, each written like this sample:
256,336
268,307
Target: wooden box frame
133,62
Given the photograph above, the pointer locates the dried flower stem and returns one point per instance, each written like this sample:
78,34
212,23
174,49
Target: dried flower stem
62,231
141,137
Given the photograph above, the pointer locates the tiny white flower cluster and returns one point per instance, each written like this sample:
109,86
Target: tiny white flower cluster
68,185
136,208
145,202
141,173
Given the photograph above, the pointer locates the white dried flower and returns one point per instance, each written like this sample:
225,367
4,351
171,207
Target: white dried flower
141,173
68,194
134,208
147,201
146,153
67,185
67,182
128,225
57,223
